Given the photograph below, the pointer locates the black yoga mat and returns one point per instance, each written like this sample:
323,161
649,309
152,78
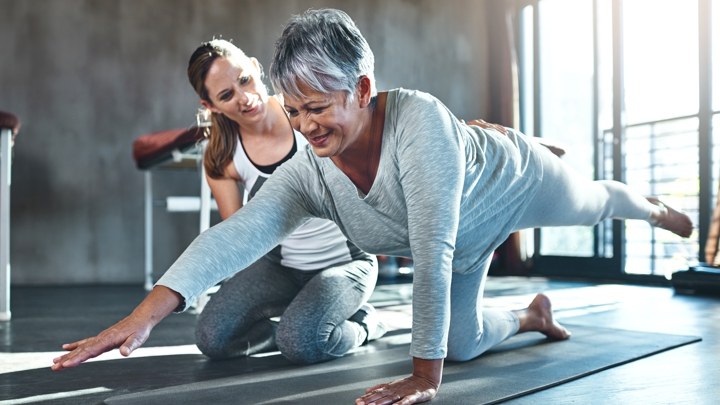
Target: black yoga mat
524,364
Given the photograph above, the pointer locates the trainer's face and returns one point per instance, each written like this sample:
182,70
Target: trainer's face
236,91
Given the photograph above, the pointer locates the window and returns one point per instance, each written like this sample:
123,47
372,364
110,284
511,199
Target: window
619,82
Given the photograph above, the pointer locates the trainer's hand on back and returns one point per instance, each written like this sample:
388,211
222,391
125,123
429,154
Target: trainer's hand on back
128,335
485,125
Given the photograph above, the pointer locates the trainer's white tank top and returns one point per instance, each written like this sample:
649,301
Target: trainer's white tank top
315,245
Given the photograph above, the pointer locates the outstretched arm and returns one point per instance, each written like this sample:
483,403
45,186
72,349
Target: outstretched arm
128,334
275,212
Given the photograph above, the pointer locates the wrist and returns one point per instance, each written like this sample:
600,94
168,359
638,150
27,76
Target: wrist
160,303
429,370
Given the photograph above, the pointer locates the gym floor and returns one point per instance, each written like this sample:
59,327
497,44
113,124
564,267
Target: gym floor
46,317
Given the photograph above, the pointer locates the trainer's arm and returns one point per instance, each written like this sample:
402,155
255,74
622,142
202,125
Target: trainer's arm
227,194
225,191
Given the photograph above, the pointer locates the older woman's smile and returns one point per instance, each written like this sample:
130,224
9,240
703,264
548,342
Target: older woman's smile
319,140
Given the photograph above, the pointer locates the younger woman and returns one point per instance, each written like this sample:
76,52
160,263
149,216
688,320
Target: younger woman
315,279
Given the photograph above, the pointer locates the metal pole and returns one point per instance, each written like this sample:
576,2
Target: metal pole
597,145
204,196
148,231
705,123
537,131
5,180
618,125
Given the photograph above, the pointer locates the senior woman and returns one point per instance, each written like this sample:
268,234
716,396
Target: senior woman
399,175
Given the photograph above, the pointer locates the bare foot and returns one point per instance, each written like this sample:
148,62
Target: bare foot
538,317
670,219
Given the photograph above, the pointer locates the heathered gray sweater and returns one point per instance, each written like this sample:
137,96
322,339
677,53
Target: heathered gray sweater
446,194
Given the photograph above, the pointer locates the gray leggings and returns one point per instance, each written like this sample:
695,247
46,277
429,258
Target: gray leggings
314,306
564,198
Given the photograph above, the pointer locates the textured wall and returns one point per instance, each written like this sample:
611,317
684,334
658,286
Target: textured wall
87,77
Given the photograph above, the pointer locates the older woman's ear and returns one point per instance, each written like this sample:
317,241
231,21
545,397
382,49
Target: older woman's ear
363,91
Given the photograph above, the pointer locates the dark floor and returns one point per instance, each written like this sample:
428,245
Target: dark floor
44,318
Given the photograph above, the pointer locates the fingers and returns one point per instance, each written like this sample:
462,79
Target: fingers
73,346
379,397
86,349
386,398
410,399
131,343
500,129
89,349
406,391
479,122
128,334
375,388
485,125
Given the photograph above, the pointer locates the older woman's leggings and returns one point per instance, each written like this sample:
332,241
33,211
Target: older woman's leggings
314,306
564,199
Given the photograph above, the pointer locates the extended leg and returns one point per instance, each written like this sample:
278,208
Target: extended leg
565,198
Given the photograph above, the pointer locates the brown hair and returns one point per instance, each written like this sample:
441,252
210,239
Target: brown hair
223,131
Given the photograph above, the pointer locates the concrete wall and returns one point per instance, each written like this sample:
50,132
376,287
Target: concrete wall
88,76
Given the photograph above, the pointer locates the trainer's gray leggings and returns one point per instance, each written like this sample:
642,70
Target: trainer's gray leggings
564,199
314,306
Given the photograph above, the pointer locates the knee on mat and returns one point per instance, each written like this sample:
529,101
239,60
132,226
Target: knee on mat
210,345
296,346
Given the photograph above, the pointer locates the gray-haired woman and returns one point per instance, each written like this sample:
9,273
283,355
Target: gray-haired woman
401,176
405,178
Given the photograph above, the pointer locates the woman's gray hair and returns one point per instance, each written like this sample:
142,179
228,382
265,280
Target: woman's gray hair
324,50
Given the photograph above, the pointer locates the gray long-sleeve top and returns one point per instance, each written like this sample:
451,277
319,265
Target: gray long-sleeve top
446,194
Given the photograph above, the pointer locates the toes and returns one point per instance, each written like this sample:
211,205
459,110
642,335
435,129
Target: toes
565,334
550,328
556,331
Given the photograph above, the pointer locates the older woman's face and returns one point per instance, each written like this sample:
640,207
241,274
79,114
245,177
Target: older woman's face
329,121
235,90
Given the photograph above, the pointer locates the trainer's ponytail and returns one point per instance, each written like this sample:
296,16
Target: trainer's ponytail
223,131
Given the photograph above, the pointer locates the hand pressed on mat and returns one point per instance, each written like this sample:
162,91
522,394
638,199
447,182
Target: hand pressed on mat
128,334
422,386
